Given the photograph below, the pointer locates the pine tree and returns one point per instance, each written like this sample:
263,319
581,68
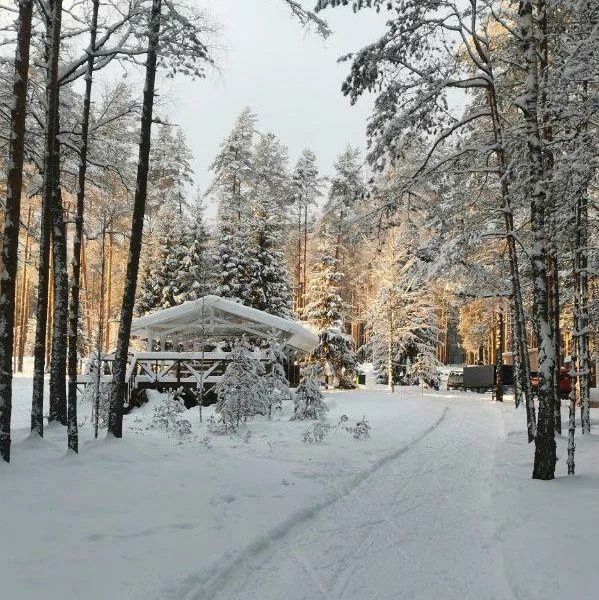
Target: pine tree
233,268
233,170
196,271
325,307
275,381
309,401
10,233
326,311
170,173
305,190
268,287
240,392
117,398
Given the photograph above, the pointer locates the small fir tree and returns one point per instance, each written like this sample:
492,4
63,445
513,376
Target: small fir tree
276,385
309,401
240,392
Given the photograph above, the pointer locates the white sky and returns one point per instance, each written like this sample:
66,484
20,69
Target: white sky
289,76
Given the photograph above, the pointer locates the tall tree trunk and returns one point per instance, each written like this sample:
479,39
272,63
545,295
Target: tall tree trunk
100,334
499,357
298,264
24,304
519,346
555,314
581,309
117,397
545,452
571,420
74,308
58,361
19,280
50,310
24,327
548,165
305,262
390,381
581,283
12,218
108,302
88,291
50,177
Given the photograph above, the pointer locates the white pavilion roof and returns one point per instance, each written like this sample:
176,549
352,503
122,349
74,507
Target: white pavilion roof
214,316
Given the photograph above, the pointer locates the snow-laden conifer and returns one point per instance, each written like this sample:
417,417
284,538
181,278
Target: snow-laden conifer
240,392
309,401
276,385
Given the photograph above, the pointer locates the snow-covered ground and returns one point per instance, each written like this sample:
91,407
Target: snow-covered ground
437,504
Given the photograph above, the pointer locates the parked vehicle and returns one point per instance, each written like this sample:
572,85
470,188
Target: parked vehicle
479,378
455,380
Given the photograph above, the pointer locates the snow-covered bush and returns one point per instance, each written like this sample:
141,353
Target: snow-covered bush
216,427
276,385
309,401
335,352
316,433
97,394
426,368
167,417
240,392
360,430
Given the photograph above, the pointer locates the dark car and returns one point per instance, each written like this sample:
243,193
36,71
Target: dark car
455,380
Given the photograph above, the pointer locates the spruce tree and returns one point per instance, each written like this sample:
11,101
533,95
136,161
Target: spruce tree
196,272
233,170
305,190
240,392
275,381
327,311
309,401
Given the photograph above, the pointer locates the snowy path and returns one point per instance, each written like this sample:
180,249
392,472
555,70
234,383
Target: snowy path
437,505
405,531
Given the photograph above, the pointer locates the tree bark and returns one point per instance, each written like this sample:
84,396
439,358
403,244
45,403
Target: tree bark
581,309
117,397
50,175
108,301
555,314
499,358
12,217
298,265
100,334
545,451
305,264
74,297
571,422
522,382
24,327
23,300
58,361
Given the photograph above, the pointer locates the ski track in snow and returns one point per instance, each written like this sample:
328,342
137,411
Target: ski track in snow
402,529
202,589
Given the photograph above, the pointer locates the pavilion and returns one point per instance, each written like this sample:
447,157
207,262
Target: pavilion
190,345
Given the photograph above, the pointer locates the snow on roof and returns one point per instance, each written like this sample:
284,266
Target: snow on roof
215,314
